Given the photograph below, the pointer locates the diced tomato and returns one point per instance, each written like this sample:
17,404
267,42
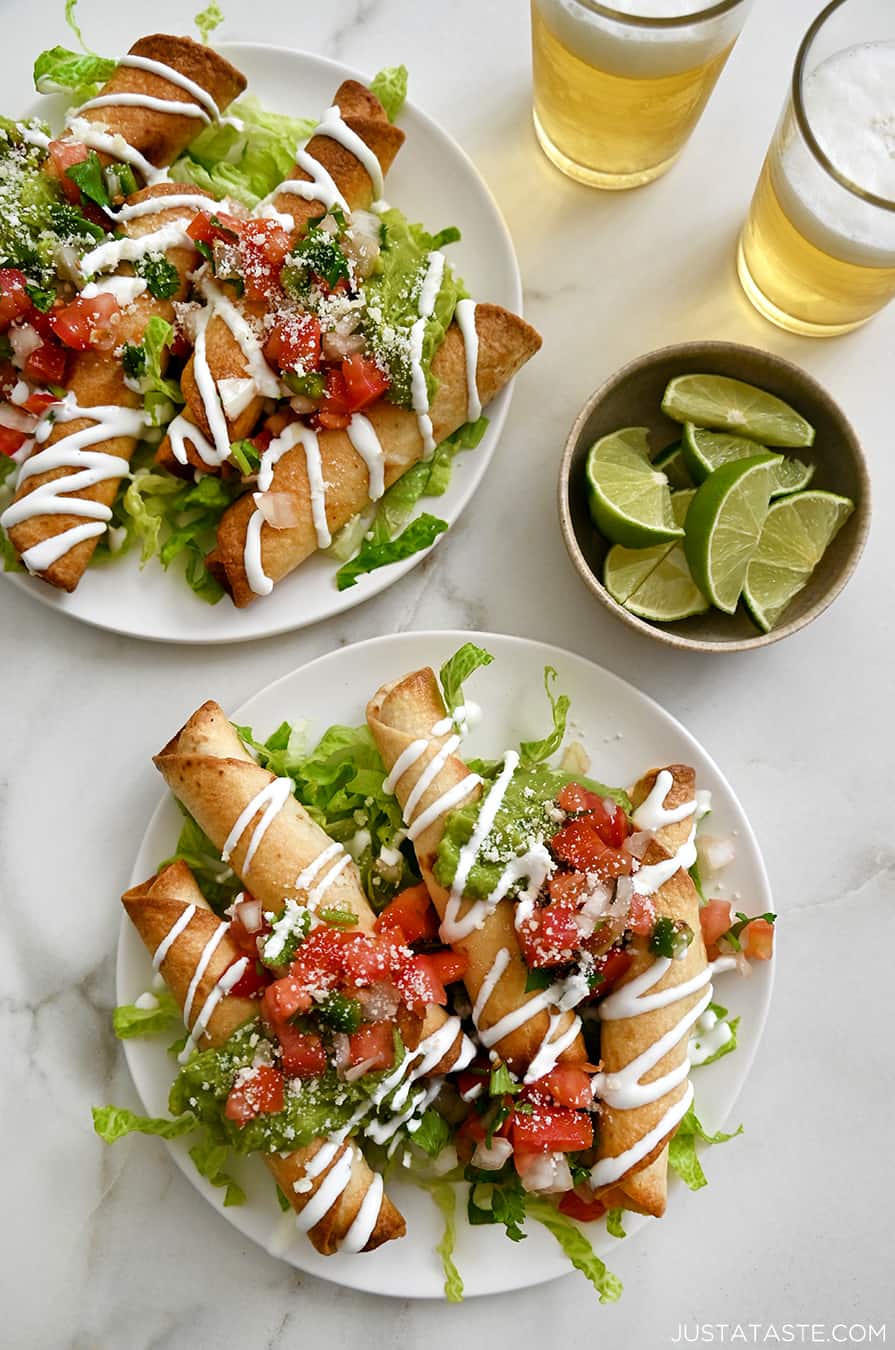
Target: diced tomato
412,912
253,981
14,299
580,845
449,966
552,1129
364,381
46,364
475,1128
294,343
10,440
641,915
611,825
206,227
715,919
568,1085
758,940
304,1054
550,936
39,402
585,1211
263,246
42,323
87,323
372,1041
63,154
334,413
262,440
259,1094
366,959
611,966
418,982
283,999
476,1076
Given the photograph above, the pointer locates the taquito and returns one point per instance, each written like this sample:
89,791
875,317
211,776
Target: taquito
97,380
364,115
642,1185
155,908
398,715
505,343
211,773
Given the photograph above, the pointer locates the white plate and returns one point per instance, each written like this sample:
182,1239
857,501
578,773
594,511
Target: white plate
433,181
626,734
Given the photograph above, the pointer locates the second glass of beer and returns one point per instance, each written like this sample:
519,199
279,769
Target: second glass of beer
618,89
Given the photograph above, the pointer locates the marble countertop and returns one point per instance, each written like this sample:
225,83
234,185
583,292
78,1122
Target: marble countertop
112,1248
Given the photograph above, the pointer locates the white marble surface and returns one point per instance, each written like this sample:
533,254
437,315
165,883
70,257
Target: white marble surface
113,1249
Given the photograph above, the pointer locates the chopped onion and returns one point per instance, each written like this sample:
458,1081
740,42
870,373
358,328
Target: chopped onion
446,1161
637,844
329,225
301,405
599,898
714,853
336,345
249,914
575,759
547,1173
492,1159
379,1003
358,1070
361,242
16,418
68,263
279,509
341,1051
24,340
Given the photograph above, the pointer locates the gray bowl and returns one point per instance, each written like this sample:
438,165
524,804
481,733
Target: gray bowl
632,397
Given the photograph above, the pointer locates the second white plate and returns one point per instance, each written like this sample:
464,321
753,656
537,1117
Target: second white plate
433,181
626,733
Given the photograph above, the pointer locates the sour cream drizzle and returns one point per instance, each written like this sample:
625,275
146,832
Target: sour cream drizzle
91,135
418,388
165,105
182,430
295,434
153,206
171,936
231,976
246,337
652,813
332,125
465,316
208,952
270,801
174,77
322,187
361,1229
552,1044
108,256
90,467
625,1090
452,927
362,435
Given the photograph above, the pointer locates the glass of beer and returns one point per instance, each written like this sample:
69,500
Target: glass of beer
619,88
817,253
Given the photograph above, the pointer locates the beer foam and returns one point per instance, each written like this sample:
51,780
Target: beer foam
850,103
642,53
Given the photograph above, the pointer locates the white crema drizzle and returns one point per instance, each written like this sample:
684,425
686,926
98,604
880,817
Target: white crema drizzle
553,1042
418,388
294,434
465,316
270,802
362,435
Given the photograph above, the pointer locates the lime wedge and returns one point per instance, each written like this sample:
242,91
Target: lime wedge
626,569
724,525
730,405
629,499
795,536
669,592
672,463
704,451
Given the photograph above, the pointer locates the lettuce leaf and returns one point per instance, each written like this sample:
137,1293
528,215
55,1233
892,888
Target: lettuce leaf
445,1197
533,752
209,1157
390,87
682,1156
420,534
614,1226
128,1020
729,1046
59,70
208,19
432,1133
576,1247
218,882
458,668
245,163
114,1122
143,362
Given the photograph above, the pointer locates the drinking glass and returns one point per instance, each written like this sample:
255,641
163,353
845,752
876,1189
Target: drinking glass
817,252
618,90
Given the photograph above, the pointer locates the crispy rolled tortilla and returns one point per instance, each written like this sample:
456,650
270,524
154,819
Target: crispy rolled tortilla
397,715
363,114
643,1187
154,908
157,135
506,342
97,379
211,773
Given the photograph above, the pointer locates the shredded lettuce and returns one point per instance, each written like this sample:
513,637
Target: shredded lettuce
729,1046
208,19
59,70
209,1157
128,1020
682,1156
245,164
218,882
114,1122
533,752
458,668
445,1197
614,1226
576,1247
420,534
143,362
390,87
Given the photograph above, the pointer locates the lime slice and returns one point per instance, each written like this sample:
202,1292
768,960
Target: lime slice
796,533
626,569
724,524
704,451
730,405
629,499
669,592
672,463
